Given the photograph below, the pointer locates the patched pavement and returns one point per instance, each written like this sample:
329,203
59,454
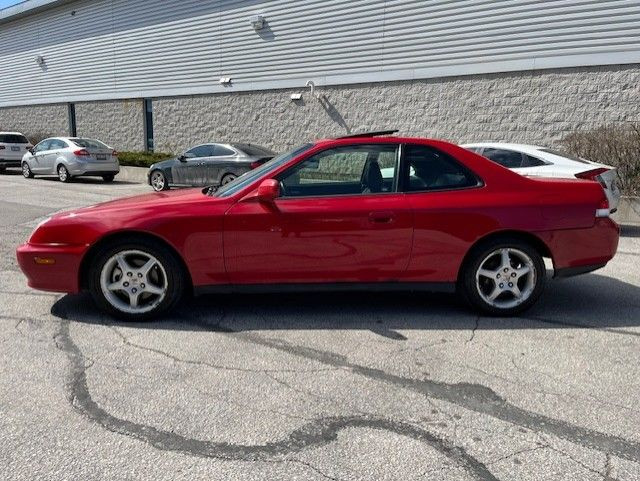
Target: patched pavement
314,386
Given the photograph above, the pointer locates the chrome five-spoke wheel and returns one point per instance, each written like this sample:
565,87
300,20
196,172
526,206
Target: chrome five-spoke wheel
506,278
158,181
136,278
503,276
133,281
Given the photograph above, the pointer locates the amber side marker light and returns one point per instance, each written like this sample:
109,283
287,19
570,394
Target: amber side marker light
44,261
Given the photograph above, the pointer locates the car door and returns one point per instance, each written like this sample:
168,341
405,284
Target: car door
189,171
38,163
335,221
51,155
215,164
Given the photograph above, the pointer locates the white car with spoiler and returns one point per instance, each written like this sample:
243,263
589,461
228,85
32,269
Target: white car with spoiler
69,157
531,160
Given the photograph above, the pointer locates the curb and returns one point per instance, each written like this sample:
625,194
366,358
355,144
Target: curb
133,174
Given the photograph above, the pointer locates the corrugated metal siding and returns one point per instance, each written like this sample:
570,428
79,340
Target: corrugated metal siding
136,48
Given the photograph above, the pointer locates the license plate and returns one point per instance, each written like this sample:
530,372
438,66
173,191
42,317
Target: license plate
101,157
15,149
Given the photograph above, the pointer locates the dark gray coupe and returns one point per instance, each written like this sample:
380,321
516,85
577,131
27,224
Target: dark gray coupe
207,164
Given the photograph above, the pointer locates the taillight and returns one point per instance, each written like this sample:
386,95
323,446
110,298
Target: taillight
593,175
256,164
603,208
81,153
2,147
114,153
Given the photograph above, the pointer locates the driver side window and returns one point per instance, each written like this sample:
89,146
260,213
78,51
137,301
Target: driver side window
349,170
42,146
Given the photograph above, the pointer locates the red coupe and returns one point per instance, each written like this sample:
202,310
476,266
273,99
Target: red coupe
360,212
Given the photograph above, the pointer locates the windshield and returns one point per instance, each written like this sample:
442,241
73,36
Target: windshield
89,143
246,179
565,155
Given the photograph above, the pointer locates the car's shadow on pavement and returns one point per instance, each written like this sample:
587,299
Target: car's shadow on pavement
590,301
87,180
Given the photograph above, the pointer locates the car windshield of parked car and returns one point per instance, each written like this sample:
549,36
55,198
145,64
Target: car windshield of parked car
13,139
246,179
89,144
565,155
254,150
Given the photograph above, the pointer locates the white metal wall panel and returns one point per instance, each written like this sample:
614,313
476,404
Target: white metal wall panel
134,48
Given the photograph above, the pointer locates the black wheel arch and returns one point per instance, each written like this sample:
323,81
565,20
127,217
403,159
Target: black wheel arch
131,236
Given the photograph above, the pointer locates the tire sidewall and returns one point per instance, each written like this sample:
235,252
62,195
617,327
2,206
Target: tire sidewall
68,177
172,267
30,173
166,182
468,281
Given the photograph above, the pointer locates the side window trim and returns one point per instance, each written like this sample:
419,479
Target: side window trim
395,184
404,166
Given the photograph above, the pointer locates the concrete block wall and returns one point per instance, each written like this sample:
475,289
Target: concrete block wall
39,121
532,107
118,123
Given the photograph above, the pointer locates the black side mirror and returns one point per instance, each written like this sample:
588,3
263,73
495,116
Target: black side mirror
182,158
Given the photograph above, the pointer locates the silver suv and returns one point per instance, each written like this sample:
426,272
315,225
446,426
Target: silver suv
13,145
69,157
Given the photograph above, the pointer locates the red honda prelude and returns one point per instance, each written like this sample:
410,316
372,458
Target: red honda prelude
372,211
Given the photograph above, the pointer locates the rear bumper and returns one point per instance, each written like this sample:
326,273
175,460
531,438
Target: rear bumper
90,168
10,162
577,251
61,276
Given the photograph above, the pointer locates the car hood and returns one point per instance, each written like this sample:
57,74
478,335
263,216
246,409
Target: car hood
144,201
164,164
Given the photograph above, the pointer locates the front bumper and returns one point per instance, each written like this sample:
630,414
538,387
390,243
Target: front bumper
60,276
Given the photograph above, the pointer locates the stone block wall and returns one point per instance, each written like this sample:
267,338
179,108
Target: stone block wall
38,121
118,123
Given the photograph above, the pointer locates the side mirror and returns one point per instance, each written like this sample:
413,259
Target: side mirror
268,191
30,150
182,158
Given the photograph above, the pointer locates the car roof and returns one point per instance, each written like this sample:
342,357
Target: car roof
12,133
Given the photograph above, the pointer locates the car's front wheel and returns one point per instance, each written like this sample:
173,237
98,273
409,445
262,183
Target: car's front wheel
503,277
136,280
227,178
26,171
159,181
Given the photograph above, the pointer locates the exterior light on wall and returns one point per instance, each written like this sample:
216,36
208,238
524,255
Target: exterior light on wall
296,97
225,80
257,22
39,60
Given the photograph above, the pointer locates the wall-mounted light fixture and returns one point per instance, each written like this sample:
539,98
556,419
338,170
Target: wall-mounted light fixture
296,97
225,80
39,60
257,22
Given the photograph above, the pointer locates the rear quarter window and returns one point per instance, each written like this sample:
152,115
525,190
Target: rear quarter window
89,144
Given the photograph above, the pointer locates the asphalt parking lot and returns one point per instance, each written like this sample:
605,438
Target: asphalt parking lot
314,386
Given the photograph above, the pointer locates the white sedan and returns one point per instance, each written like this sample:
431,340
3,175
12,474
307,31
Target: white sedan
536,161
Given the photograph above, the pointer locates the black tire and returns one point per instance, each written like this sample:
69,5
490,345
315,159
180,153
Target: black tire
2,170
470,287
175,277
63,174
159,186
108,178
226,178
26,171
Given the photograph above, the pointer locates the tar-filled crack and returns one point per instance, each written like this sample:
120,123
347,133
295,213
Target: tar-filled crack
317,433
473,331
473,397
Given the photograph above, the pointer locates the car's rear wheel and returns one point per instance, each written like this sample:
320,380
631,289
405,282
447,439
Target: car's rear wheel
503,277
228,178
159,181
63,174
136,280
108,178
26,171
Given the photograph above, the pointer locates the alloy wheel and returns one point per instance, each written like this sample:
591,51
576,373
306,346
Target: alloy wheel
228,178
26,171
133,281
63,173
506,278
158,181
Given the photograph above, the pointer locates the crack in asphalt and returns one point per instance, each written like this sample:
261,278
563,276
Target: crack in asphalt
318,433
474,397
